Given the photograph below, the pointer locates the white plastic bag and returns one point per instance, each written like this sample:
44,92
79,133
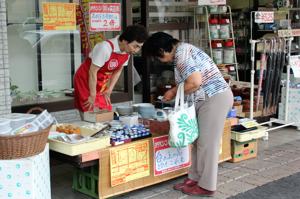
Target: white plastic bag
183,122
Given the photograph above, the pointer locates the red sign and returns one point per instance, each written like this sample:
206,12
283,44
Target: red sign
167,159
105,16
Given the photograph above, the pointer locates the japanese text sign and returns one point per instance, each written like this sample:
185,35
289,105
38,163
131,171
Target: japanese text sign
211,2
59,16
264,17
129,162
105,16
167,159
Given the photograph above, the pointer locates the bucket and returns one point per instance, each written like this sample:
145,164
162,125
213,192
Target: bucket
214,31
228,55
225,31
217,55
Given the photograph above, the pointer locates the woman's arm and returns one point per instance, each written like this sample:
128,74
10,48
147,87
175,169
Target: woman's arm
113,80
193,82
92,86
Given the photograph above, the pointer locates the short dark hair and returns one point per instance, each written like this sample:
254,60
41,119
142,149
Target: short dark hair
158,43
134,33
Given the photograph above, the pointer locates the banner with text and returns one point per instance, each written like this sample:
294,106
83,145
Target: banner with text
105,16
167,159
59,16
129,162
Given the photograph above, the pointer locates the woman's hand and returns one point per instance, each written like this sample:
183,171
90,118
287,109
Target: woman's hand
169,95
107,94
90,103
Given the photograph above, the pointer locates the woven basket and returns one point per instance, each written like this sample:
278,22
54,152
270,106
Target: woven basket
24,145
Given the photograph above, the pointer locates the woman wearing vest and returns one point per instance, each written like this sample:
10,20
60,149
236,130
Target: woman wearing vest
96,77
210,93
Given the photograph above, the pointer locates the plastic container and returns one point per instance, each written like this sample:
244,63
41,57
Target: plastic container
213,9
222,9
228,55
224,29
217,55
214,28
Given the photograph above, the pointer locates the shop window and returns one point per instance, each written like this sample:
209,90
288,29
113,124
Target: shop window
42,63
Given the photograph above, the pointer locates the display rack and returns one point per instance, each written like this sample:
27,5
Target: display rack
206,39
285,122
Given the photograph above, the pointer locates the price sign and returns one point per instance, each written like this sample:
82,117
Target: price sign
211,2
59,16
295,65
105,16
264,17
167,159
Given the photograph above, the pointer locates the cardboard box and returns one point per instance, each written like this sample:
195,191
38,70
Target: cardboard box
102,116
243,150
225,142
26,178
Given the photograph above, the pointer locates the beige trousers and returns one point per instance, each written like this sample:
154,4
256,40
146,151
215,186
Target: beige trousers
211,115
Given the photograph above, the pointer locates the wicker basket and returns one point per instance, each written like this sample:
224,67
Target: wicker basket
24,145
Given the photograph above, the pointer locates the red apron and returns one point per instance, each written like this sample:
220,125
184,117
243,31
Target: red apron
81,80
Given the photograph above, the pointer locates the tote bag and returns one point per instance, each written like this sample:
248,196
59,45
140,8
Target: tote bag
183,122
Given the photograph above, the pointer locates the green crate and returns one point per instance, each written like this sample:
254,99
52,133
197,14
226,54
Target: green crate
85,180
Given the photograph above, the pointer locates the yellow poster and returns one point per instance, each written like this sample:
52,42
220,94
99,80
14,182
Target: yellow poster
59,16
129,162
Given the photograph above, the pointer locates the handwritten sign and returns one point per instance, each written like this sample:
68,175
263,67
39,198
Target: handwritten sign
264,17
105,16
167,159
211,2
129,162
289,33
59,16
295,65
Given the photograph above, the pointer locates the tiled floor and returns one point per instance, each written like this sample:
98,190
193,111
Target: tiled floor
278,157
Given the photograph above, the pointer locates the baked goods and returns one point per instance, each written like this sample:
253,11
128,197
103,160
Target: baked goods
68,129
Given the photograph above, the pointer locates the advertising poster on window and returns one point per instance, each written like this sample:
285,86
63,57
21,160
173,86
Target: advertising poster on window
211,2
129,162
88,39
167,159
105,17
59,16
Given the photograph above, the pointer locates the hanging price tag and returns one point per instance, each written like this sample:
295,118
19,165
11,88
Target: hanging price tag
264,17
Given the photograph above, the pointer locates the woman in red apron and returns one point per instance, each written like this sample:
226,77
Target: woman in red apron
94,83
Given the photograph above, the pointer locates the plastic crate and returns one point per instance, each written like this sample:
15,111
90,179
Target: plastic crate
85,180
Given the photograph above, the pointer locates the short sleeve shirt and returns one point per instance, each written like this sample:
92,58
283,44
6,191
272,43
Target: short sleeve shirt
189,59
102,52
